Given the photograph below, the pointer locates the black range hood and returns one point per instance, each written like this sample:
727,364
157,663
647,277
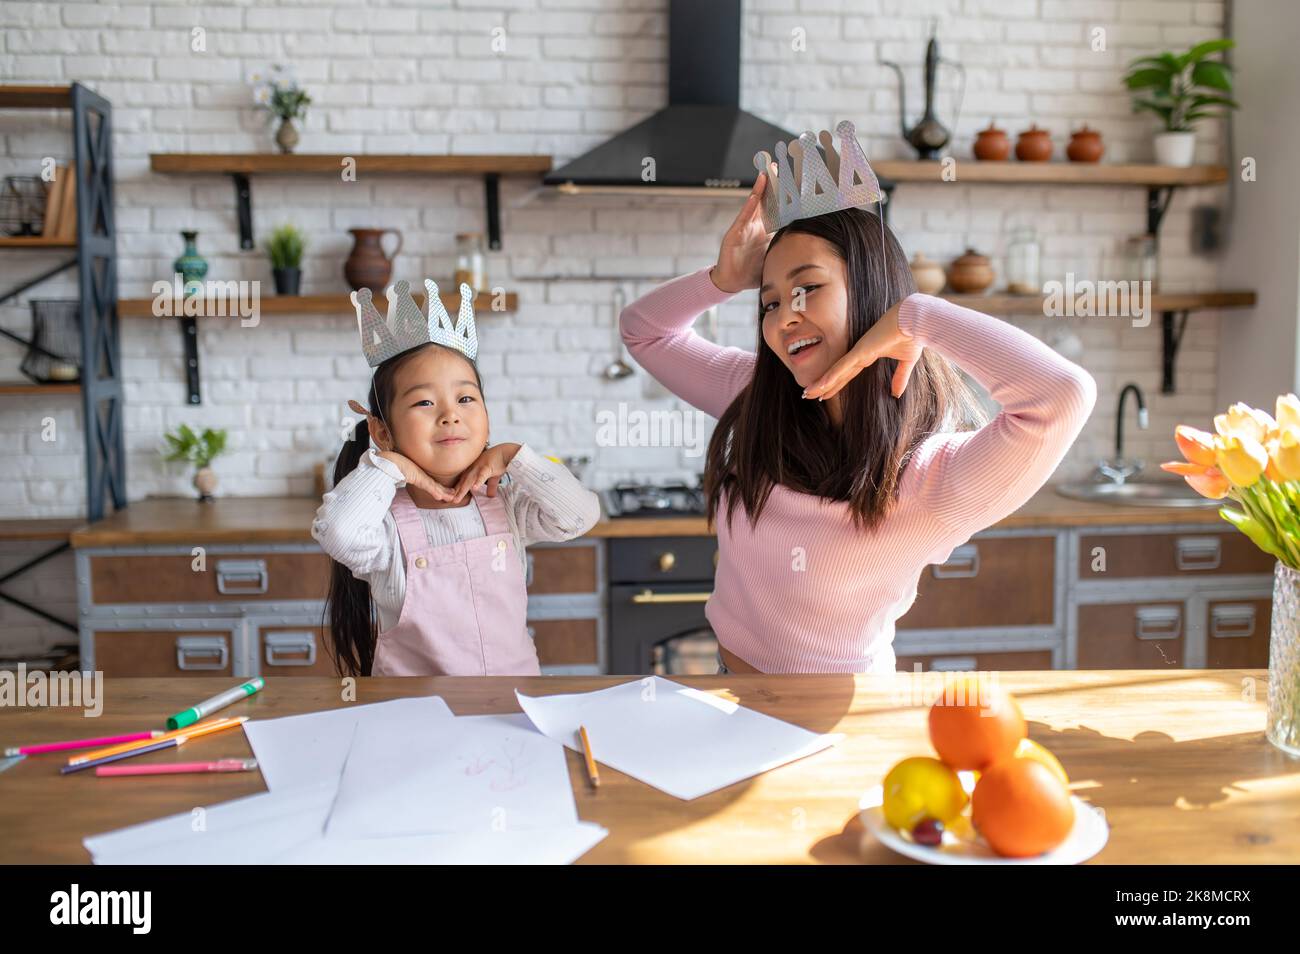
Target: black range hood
702,139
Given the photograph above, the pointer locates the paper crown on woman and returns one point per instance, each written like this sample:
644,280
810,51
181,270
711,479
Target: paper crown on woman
808,184
406,327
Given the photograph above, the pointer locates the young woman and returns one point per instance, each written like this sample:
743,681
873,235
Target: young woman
844,459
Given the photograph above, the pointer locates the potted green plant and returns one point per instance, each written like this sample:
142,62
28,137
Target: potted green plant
280,95
199,450
1181,89
285,247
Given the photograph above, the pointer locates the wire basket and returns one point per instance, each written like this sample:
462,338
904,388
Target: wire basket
55,340
22,205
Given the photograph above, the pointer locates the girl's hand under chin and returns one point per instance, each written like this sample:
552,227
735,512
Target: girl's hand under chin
490,466
884,339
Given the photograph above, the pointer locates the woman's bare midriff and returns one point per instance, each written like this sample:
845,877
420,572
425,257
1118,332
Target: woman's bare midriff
734,662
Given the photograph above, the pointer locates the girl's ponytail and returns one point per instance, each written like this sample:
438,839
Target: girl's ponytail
352,629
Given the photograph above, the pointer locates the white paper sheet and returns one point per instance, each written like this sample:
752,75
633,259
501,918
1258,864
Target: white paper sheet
488,773
285,828
310,749
679,740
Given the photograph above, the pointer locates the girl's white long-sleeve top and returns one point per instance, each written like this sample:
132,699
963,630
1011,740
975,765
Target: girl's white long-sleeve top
355,526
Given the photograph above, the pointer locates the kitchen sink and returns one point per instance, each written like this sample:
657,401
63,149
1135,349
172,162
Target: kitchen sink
1138,493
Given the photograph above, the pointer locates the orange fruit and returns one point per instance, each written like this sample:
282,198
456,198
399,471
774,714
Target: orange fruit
1021,807
1029,749
973,724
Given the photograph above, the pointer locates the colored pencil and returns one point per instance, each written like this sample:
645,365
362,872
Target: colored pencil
592,773
178,768
80,743
175,741
114,749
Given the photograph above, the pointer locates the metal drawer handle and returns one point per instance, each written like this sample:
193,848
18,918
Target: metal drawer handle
1159,622
1198,553
241,573
650,596
528,573
964,562
285,649
189,648
954,664
1232,621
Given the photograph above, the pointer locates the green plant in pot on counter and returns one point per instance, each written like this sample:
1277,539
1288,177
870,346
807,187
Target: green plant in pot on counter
199,450
1181,89
285,248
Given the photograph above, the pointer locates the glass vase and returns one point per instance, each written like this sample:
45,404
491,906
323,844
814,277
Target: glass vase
1284,662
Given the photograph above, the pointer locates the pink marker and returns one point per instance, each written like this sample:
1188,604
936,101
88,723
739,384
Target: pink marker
80,743
178,768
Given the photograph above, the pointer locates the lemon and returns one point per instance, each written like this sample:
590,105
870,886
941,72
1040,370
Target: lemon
921,787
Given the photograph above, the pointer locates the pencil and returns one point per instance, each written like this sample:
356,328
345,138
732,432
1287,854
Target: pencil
81,743
114,749
592,772
176,741
177,768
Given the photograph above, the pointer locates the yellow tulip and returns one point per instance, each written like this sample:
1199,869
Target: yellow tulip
1241,458
1206,481
1284,452
1197,446
1242,420
1288,411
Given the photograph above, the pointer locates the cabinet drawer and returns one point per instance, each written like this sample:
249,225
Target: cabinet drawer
562,570
993,581
236,577
136,653
1008,661
294,651
565,642
1237,633
670,559
1131,635
1135,555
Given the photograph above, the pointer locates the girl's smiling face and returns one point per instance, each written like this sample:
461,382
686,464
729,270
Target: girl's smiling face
804,304
436,416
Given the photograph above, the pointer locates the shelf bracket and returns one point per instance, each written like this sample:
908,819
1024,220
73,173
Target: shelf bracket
243,209
190,346
1157,204
492,195
1170,339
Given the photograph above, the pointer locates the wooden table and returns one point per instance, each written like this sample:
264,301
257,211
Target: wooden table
1177,759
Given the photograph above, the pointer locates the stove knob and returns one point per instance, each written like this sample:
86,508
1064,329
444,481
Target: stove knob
667,561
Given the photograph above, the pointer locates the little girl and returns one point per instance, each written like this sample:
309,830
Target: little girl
846,456
406,524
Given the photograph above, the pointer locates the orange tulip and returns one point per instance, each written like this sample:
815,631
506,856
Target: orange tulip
1241,458
1206,481
1197,446
1242,421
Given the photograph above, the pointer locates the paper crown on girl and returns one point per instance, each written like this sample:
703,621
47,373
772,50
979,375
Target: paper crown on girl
406,327
808,184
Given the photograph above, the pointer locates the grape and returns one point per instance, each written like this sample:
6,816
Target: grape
928,831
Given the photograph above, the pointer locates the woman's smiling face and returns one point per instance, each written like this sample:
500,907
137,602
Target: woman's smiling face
804,304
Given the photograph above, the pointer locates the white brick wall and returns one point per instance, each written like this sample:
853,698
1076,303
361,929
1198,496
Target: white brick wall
421,77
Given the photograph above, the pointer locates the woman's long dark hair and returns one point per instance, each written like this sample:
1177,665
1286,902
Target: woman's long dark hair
770,434
353,627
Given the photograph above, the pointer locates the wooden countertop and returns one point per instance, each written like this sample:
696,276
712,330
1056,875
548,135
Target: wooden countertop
1177,759
182,520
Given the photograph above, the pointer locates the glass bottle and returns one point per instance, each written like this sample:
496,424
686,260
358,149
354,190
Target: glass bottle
1022,263
469,261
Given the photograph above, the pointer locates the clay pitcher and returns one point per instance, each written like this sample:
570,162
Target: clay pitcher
368,266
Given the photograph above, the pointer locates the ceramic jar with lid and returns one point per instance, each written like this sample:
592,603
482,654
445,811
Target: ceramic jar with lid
991,144
1085,145
928,275
970,273
1034,145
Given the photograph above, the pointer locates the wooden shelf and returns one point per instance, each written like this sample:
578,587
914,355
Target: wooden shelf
274,163
35,97
1012,171
311,304
1001,303
29,387
35,241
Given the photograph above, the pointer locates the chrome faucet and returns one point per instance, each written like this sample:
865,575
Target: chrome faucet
1119,469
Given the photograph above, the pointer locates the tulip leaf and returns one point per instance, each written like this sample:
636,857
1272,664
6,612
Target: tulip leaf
1253,529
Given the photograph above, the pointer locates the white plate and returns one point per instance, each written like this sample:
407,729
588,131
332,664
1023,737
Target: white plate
1086,838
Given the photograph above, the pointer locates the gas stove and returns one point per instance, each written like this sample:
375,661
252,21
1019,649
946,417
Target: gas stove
654,500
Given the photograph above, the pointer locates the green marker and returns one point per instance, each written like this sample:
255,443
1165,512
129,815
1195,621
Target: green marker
209,706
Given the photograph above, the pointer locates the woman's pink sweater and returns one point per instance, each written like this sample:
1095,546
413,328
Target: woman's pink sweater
804,590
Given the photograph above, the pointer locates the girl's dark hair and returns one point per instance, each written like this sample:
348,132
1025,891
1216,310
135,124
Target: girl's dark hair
770,434
353,626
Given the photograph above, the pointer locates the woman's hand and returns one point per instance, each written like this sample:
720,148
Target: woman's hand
740,260
884,339
412,473
490,466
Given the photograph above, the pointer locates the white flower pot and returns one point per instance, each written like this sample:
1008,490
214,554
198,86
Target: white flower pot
1175,148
